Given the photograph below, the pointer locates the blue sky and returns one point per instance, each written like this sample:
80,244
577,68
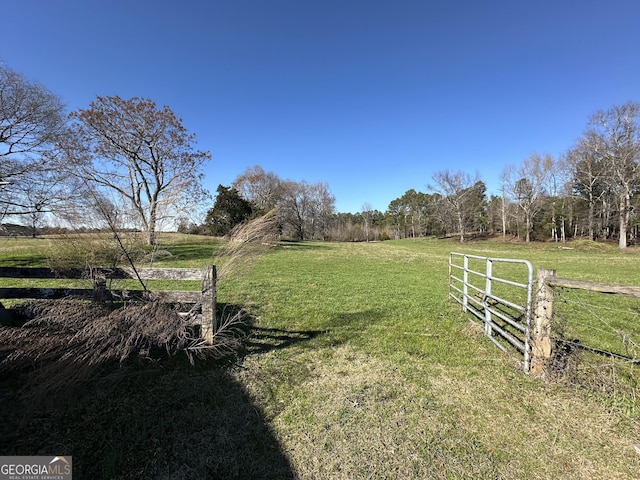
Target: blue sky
371,97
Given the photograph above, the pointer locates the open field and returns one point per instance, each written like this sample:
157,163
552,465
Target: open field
357,366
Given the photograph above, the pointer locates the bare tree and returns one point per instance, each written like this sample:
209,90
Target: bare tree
295,207
323,210
31,117
306,208
527,185
589,177
367,212
455,187
614,137
263,189
31,122
505,177
43,194
141,152
556,185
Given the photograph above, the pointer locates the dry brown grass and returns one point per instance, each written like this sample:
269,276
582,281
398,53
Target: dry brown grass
364,417
246,242
364,420
66,344
565,434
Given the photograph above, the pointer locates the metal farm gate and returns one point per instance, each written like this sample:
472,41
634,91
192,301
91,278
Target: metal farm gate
497,291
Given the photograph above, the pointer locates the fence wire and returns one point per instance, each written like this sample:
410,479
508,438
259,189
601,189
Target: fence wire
596,340
599,322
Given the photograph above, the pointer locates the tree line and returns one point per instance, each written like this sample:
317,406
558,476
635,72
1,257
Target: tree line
130,164
591,191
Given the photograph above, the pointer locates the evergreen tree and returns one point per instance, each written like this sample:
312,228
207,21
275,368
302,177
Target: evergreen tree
229,209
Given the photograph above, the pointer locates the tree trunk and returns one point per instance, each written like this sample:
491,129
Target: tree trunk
151,224
554,226
624,215
590,220
504,217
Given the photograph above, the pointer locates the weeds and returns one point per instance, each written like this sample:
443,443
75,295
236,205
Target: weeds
245,243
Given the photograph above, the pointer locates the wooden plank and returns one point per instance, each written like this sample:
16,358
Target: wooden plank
101,293
164,296
626,290
173,296
114,273
38,272
48,293
148,273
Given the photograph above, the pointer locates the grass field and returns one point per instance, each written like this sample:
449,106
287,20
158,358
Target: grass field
357,366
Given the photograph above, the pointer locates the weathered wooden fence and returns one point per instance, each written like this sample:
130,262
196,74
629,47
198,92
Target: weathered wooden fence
206,297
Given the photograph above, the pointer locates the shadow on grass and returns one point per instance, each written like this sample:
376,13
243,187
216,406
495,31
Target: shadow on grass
340,329
300,245
258,340
24,260
162,419
348,325
191,252
263,340
162,422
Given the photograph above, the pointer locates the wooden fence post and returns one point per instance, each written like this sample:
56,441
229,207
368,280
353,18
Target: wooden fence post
541,332
100,291
208,303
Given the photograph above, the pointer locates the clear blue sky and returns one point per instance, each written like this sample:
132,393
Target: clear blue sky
371,97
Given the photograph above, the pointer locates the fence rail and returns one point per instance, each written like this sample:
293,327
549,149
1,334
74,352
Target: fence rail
99,291
615,289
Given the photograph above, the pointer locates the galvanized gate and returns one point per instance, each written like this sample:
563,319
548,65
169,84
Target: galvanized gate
497,291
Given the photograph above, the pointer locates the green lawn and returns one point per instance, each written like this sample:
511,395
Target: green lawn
358,366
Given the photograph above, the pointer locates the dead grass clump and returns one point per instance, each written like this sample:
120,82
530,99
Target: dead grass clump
246,241
613,377
564,362
68,343
615,381
59,314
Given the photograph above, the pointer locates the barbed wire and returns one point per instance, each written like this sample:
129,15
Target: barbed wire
588,315
597,346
